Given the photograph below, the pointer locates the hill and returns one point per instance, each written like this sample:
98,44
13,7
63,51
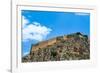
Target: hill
74,46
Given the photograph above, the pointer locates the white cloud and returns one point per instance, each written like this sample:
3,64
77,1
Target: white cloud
34,31
24,21
80,13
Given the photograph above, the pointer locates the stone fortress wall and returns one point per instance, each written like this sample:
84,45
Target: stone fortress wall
43,44
46,43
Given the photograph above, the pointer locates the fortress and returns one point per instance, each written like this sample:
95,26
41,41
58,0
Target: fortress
44,44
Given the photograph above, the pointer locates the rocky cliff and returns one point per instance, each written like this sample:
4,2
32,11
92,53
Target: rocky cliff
74,46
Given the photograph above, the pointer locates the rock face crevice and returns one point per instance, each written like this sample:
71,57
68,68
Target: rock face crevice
74,46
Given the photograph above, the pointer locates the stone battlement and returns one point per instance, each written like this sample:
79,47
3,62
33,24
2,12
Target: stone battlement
44,44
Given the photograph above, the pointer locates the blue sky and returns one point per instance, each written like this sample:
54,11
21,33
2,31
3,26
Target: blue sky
42,25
